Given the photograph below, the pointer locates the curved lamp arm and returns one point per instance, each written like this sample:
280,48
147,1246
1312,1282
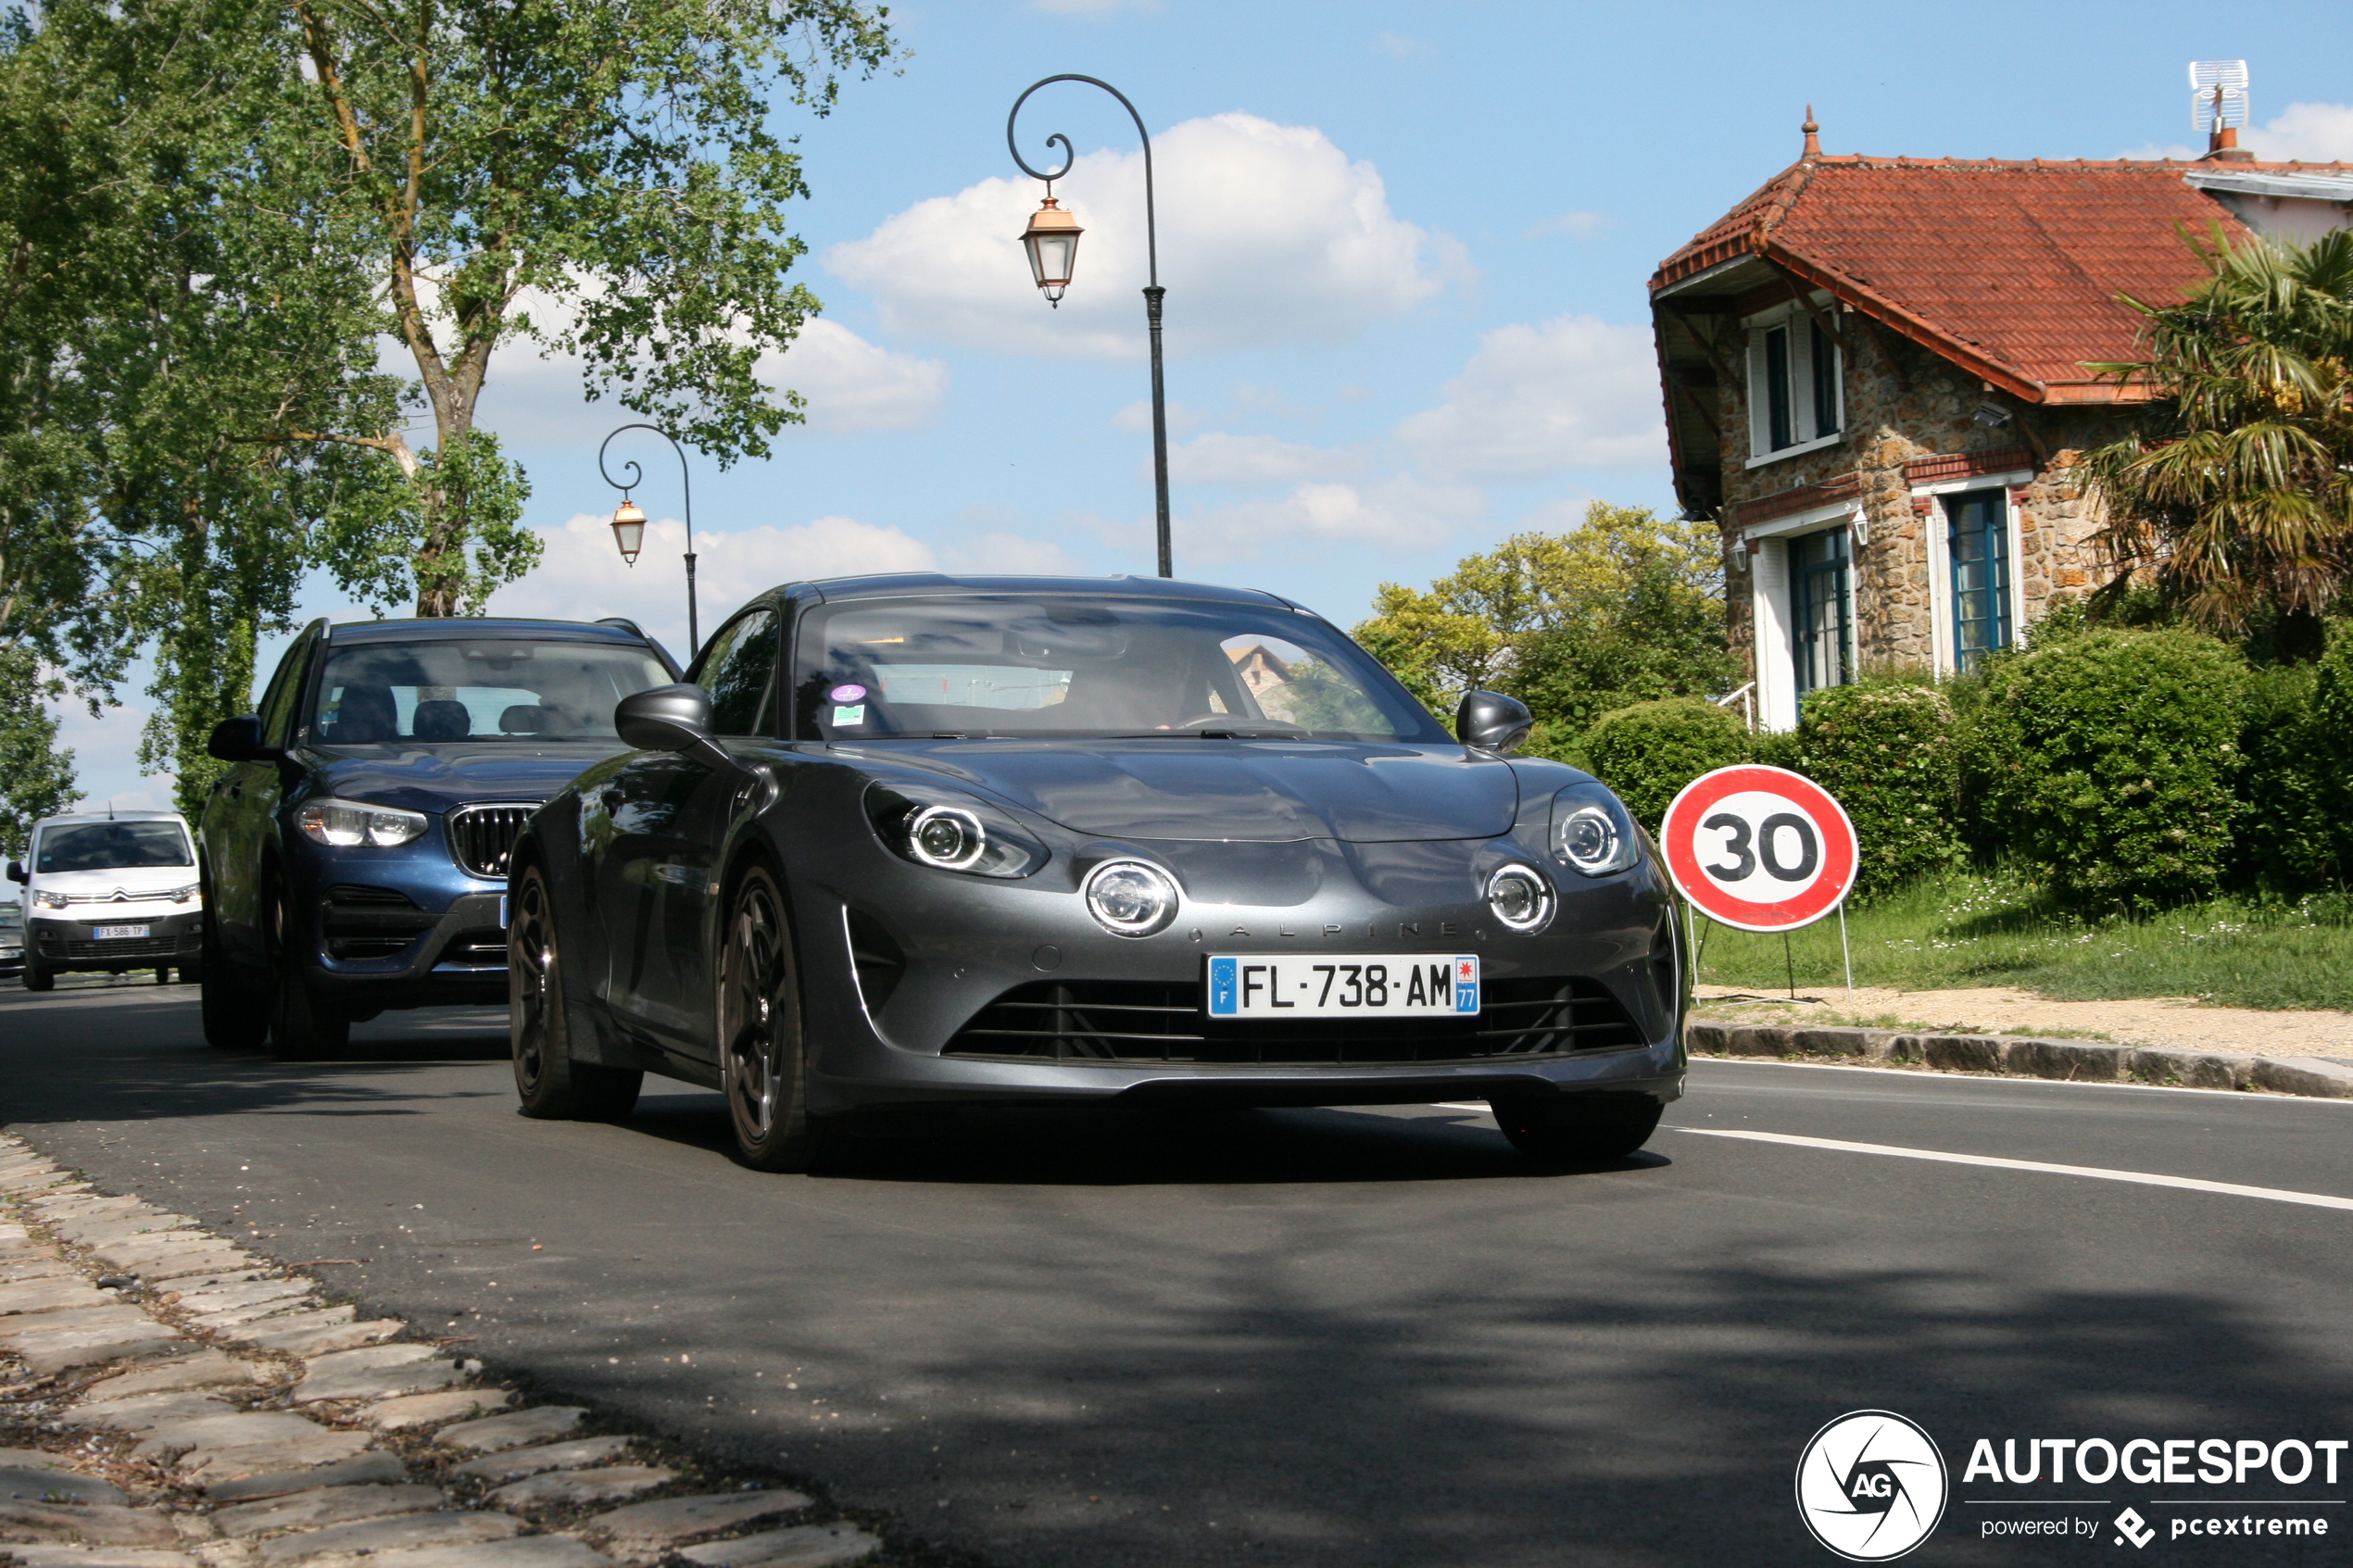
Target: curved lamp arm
1151,238
686,480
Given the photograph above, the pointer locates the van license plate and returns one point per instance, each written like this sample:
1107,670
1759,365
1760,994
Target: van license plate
106,933
1343,985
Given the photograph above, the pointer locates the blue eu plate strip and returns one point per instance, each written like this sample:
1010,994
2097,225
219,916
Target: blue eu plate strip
1223,1001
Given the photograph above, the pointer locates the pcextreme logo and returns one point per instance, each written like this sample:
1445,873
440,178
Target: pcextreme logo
1871,1486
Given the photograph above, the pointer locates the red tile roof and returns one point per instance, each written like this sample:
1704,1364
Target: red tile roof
2011,269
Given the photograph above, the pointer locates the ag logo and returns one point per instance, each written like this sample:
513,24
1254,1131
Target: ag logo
1870,1485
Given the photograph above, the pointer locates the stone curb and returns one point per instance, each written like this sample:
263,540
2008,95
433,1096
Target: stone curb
2022,1056
240,1422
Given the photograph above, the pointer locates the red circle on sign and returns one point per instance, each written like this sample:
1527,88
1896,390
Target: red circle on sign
1833,833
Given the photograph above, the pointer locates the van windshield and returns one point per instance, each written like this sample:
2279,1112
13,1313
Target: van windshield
112,847
489,689
1011,665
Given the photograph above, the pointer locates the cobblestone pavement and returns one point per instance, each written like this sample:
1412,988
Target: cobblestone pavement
168,1401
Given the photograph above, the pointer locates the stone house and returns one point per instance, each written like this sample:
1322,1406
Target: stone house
1875,384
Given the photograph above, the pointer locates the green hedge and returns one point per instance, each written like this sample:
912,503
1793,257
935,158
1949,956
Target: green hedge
2109,762
1886,751
1649,751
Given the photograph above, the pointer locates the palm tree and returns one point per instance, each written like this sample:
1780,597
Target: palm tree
2236,497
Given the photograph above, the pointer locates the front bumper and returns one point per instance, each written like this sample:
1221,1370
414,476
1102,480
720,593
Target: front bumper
73,943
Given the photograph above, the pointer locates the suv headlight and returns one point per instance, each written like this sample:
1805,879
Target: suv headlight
950,830
347,823
1590,832
1131,898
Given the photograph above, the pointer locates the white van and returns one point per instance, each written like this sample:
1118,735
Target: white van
114,892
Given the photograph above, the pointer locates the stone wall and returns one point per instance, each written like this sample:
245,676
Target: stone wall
1904,403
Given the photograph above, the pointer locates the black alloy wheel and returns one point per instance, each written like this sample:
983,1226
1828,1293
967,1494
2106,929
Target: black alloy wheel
1567,1133
763,1055
547,1081
301,1027
235,1018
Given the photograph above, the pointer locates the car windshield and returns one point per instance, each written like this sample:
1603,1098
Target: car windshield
1015,666
479,690
112,847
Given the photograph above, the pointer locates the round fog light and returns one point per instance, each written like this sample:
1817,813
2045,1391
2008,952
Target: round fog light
946,838
1520,898
1131,898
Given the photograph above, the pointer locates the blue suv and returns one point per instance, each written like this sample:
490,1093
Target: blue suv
355,858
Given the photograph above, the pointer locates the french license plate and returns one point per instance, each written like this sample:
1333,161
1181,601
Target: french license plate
1343,985
106,933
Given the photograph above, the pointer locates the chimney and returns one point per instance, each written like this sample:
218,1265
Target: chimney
2222,146
1813,135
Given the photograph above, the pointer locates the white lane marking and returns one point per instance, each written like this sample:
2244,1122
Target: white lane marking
2144,1178
1924,1076
1479,1106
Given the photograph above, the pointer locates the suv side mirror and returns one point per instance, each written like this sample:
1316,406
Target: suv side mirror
1491,721
672,718
238,740
16,872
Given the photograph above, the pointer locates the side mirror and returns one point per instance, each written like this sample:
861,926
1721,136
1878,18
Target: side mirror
238,740
16,871
672,718
1491,721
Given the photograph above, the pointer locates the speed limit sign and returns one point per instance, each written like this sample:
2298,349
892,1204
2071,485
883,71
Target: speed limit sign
1759,848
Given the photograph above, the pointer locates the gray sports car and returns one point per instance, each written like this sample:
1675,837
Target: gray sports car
920,841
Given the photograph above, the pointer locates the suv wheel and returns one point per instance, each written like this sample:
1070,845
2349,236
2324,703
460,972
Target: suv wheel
300,1027
548,1082
235,1018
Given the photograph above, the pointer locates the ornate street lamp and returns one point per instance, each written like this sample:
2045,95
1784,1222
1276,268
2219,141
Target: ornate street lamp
629,522
1052,239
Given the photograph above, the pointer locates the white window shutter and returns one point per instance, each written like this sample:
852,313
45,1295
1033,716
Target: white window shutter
1760,409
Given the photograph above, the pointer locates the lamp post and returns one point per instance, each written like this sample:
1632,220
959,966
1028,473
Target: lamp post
629,520
1052,239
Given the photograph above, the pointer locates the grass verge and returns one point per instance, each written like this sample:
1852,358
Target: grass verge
1968,929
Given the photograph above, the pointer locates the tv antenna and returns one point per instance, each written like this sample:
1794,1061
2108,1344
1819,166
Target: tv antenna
2218,95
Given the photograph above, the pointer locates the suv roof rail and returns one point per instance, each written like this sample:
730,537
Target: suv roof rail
624,624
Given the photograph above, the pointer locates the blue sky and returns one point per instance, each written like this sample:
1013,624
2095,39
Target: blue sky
1404,248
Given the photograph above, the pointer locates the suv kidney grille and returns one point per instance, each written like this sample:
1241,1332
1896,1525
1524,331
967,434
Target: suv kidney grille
481,838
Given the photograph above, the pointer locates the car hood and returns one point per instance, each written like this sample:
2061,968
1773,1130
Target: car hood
1239,791
433,778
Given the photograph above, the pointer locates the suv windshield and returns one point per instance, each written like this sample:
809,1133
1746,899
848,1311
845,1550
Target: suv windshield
1051,665
478,690
111,847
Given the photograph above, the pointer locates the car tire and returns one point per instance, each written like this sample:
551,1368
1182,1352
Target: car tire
549,1084
763,1048
1567,1133
39,977
301,1027
235,1018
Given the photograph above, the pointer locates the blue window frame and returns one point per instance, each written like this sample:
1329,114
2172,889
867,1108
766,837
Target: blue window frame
1822,607
1979,536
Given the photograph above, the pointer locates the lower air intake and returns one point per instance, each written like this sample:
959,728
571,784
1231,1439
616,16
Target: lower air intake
1162,1022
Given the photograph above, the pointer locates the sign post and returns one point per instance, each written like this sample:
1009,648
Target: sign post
1761,848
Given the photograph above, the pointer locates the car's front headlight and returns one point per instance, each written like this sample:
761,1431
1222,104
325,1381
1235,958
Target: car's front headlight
1131,898
49,900
178,895
950,830
1590,832
344,825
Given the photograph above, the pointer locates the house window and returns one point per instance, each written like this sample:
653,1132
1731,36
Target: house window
1822,607
1979,538
1793,386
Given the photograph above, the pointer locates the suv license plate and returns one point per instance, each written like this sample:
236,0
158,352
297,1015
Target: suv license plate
105,933
1343,985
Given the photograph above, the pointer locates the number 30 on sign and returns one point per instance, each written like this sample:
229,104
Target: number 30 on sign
1759,848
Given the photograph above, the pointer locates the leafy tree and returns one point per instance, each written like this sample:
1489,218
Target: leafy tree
36,779
1626,609
2236,496
598,177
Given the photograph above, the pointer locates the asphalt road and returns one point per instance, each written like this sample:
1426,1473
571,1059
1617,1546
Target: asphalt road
1301,1338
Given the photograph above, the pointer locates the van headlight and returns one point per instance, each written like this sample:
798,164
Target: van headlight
1131,898
1591,834
344,825
49,900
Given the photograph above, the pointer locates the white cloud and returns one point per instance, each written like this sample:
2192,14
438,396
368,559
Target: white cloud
1576,225
1268,234
1391,515
2314,132
1220,458
1575,392
1009,553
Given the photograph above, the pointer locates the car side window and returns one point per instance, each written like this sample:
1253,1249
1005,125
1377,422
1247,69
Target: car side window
286,689
736,670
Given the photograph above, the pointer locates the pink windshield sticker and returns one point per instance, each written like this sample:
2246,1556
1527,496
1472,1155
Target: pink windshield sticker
848,694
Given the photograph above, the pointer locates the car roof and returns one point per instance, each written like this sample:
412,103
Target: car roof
112,817
884,585
442,629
